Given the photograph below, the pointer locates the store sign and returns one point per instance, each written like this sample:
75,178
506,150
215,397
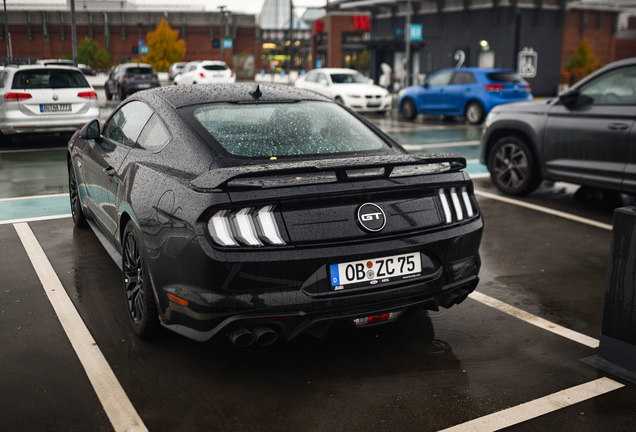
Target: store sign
362,22
227,44
527,63
144,49
415,33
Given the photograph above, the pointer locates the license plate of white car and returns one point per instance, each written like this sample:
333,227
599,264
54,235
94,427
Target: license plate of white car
373,104
376,270
145,85
55,107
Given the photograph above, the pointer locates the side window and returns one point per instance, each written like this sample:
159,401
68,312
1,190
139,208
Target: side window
617,87
154,135
311,77
126,125
322,77
440,79
4,77
463,78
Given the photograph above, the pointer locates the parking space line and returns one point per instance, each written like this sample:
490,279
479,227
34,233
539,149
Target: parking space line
543,209
538,407
33,197
32,150
535,320
447,144
118,407
35,219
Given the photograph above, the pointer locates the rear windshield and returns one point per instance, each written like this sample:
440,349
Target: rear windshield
139,71
505,77
349,79
49,78
296,129
215,67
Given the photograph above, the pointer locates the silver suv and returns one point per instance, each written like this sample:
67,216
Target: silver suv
44,99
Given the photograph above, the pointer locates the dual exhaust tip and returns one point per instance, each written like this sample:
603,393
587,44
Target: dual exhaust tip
262,335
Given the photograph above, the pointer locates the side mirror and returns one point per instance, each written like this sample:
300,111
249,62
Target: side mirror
569,98
90,131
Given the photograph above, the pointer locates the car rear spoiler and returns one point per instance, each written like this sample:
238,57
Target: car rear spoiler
296,173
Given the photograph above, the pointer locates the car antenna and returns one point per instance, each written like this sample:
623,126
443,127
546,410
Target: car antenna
257,92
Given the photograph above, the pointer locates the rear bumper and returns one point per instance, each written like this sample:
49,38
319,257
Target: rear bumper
291,291
18,123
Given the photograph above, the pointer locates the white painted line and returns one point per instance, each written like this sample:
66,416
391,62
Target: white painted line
33,197
538,407
543,209
34,219
448,144
472,161
480,175
535,320
32,150
118,407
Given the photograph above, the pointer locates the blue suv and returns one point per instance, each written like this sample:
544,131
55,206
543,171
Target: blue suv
469,92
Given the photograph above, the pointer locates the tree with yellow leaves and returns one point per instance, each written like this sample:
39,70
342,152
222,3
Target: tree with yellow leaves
164,47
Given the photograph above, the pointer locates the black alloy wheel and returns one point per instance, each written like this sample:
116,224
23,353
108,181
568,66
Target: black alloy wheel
408,109
512,167
140,302
108,95
122,94
76,206
474,113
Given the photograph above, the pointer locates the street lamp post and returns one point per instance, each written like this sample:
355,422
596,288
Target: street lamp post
222,9
6,32
407,37
73,33
139,24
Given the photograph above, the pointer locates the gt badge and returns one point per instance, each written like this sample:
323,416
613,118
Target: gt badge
371,217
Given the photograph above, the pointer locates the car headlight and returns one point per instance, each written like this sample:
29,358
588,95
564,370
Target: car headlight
355,96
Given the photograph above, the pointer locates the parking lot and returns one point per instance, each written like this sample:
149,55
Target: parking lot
507,357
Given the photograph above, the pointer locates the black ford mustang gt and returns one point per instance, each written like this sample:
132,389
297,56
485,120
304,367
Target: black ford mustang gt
266,212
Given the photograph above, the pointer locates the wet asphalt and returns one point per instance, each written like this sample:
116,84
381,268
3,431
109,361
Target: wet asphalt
438,370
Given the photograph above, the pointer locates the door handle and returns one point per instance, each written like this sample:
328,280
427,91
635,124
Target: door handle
110,171
618,126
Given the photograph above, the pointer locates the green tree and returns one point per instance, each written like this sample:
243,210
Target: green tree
89,52
582,62
164,48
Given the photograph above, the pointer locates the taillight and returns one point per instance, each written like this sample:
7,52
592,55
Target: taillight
129,75
202,75
457,198
16,97
494,87
376,319
527,87
87,95
231,73
247,226
155,75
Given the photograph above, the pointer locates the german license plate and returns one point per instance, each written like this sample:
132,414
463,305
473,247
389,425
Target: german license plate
373,104
376,270
145,85
55,107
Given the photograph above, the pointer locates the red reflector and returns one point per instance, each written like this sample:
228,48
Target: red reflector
178,300
201,73
87,95
494,87
129,76
16,97
23,127
231,74
378,318
527,87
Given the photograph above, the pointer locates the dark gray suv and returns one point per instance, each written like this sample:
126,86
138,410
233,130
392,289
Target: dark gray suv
585,136
128,78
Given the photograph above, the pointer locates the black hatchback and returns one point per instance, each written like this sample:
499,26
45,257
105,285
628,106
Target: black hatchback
128,78
266,212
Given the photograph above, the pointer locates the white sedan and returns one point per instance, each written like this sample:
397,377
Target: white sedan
349,87
205,72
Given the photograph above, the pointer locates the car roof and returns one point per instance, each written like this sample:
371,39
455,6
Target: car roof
41,66
195,94
135,65
335,70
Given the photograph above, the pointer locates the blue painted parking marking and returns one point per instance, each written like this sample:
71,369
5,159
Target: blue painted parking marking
29,207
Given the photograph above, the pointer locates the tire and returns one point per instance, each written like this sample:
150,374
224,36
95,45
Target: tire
108,95
79,219
121,94
474,113
339,100
512,167
409,111
138,293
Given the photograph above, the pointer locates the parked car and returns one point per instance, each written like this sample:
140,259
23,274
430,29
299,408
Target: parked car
86,69
44,99
585,136
348,87
205,72
469,92
205,194
175,69
129,78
